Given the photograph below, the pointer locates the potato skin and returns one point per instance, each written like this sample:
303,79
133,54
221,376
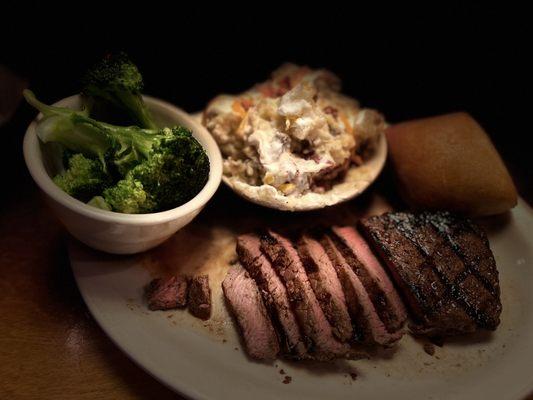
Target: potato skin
449,163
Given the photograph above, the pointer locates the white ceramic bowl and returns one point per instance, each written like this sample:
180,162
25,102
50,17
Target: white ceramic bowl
115,232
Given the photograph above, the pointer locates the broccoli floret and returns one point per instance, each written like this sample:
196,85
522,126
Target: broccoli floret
177,170
99,202
115,82
159,169
129,197
83,179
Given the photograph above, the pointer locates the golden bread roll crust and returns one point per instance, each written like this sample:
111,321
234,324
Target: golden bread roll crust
449,162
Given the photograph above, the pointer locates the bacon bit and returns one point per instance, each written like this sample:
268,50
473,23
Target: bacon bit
346,123
247,103
353,375
299,75
284,85
286,82
238,108
266,89
332,111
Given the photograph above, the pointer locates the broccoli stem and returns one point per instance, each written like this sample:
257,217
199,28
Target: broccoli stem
79,133
136,108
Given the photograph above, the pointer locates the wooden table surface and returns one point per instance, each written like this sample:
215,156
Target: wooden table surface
50,346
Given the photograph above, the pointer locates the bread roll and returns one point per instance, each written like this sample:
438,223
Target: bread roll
449,163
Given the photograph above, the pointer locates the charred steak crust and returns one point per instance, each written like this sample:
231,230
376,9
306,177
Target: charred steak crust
274,295
326,285
464,283
471,244
311,318
200,297
246,305
422,289
167,293
444,267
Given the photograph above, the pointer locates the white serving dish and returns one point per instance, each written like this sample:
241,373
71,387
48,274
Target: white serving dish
205,359
114,232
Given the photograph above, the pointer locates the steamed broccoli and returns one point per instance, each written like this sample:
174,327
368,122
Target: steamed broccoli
115,82
99,202
129,197
84,178
156,169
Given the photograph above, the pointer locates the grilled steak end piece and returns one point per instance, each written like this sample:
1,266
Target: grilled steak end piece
167,293
200,297
245,303
443,265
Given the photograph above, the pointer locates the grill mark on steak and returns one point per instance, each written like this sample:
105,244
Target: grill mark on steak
311,318
274,294
463,285
443,293
326,286
375,279
246,305
470,244
420,285
368,327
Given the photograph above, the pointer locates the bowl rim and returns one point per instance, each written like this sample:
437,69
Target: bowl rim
34,163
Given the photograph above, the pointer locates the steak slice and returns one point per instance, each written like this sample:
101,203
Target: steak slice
326,286
167,293
200,297
245,303
444,267
274,294
368,326
311,318
374,278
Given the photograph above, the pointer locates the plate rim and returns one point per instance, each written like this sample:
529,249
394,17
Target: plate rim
181,386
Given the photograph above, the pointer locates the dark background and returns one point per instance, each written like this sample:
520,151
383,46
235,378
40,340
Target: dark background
406,62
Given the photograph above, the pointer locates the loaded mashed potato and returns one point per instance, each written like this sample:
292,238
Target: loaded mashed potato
295,133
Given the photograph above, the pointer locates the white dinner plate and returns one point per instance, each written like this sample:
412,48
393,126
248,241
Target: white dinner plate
206,360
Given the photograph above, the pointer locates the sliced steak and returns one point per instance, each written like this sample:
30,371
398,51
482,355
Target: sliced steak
444,268
167,293
274,294
326,285
377,283
200,297
246,305
368,326
311,318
